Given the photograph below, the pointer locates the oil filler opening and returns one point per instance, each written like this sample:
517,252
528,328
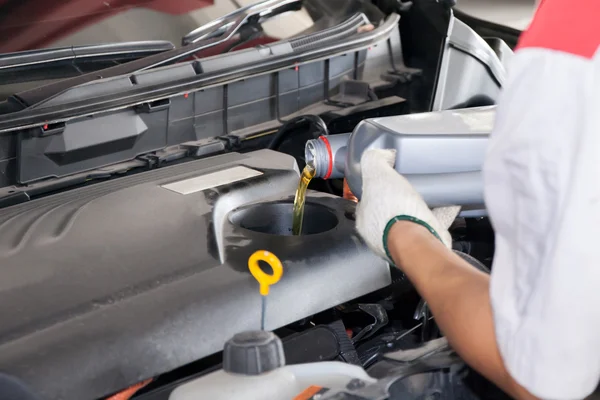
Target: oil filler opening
275,218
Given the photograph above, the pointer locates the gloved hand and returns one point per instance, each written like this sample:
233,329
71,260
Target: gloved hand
388,197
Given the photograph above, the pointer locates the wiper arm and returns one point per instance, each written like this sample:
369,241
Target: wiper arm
223,29
257,12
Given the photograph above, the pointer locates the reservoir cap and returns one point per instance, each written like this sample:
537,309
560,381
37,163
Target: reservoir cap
253,353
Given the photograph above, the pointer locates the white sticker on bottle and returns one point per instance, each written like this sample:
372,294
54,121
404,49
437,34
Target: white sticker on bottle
212,180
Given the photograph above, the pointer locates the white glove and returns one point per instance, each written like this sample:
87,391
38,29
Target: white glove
388,197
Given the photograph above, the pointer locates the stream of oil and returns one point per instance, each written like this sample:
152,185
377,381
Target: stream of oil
307,174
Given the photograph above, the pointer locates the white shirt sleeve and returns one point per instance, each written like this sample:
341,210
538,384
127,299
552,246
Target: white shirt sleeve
542,190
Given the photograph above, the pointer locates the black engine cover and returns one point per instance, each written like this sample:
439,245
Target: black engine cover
107,285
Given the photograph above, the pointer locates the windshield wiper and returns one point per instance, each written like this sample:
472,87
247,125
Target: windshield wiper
258,12
216,32
128,90
64,62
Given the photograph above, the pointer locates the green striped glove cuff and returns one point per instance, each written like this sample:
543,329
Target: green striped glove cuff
398,218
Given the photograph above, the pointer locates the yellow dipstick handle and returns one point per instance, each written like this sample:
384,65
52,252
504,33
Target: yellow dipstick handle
265,280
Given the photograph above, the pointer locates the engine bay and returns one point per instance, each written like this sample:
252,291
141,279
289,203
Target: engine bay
127,218
169,248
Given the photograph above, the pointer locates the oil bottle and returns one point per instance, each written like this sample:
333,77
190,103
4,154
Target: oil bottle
441,153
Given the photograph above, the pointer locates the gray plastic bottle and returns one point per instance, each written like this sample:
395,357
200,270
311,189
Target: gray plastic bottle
440,153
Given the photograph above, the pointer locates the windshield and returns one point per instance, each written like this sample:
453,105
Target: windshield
39,24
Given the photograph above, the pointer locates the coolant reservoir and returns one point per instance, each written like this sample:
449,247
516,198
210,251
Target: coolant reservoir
253,369
440,153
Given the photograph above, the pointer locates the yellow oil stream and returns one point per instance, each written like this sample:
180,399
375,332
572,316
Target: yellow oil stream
298,213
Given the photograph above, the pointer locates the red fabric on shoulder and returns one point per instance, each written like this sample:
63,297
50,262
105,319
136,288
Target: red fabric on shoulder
570,26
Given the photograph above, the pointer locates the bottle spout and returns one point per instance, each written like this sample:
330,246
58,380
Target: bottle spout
310,154
327,154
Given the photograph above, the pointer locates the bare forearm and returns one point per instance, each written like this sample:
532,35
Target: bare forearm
458,295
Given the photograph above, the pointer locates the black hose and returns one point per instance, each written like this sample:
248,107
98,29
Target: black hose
314,120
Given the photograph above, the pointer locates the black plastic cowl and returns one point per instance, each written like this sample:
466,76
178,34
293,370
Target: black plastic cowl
253,353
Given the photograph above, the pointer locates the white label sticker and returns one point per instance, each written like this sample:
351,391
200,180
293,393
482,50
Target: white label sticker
212,180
